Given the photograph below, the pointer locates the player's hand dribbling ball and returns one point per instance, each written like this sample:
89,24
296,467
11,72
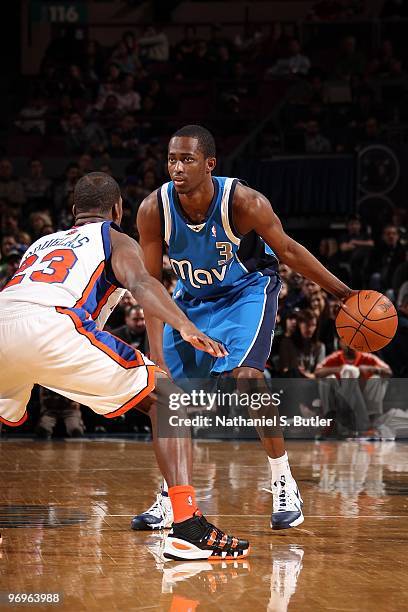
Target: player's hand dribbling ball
367,321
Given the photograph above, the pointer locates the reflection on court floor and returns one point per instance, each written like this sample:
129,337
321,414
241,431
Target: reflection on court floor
65,511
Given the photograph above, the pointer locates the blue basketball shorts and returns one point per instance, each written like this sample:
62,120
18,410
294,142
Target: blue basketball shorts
243,320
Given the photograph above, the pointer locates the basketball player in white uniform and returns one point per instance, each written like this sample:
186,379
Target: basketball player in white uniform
51,317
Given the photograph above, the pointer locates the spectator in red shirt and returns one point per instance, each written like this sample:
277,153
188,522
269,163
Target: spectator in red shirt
338,363
353,387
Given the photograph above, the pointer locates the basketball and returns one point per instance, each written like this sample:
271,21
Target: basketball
367,321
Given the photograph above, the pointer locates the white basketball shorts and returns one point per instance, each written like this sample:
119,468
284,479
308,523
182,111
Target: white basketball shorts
62,349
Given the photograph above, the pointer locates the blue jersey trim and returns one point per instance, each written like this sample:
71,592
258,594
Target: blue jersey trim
105,230
122,353
99,290
107,247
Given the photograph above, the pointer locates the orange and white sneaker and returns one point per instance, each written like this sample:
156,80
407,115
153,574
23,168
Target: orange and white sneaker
196,538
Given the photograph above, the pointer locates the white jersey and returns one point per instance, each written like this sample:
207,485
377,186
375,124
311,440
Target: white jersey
68,269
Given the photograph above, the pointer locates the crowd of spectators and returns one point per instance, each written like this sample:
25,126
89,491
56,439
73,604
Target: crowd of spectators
350,96
34,206
333,10
111,102
114,101
306,343
98,105
305,331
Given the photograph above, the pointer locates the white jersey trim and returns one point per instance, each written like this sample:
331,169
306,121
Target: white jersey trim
166,212
224,212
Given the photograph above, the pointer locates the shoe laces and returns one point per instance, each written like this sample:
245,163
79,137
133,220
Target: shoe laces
284,498
209,529
217,532
157,509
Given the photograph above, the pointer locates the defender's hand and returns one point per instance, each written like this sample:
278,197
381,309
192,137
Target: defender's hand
200,341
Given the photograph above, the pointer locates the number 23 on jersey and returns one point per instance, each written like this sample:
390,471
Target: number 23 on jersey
59,263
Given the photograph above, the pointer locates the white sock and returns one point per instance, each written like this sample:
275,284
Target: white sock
164,488
280,467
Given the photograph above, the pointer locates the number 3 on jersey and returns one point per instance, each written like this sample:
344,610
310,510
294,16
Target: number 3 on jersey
61,261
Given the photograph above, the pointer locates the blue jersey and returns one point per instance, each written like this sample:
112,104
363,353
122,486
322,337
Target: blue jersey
211,258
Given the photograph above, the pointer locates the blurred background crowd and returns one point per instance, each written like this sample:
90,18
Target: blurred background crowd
331,88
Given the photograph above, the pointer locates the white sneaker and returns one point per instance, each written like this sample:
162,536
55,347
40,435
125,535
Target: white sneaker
287,565
158,516
287,504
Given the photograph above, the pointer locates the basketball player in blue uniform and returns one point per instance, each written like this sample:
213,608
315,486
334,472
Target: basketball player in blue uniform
224,243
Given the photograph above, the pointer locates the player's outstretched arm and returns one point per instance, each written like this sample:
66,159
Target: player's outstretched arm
129,269
253,211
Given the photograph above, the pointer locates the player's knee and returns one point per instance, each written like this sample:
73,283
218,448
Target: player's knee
149,403
249,380
246,373
169,397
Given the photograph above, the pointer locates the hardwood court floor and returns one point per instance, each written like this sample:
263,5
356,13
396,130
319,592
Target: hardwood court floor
72,503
